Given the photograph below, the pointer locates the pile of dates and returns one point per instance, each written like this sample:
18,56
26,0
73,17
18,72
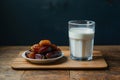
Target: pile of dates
44,50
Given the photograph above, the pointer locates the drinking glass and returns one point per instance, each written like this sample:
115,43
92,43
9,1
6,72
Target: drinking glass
81,39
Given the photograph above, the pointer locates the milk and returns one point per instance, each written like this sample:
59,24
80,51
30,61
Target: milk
81,42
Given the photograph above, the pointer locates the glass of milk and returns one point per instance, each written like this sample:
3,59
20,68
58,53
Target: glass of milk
81,39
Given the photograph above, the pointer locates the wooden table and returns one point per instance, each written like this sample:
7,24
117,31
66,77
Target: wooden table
110,53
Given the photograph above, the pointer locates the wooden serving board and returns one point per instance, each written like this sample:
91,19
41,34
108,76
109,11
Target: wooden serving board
66,62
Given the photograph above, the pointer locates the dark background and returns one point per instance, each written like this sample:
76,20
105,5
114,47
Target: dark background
25,22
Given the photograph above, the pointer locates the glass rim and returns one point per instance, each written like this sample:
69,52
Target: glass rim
75,22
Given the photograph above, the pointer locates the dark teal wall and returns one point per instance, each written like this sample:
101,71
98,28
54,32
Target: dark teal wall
25,22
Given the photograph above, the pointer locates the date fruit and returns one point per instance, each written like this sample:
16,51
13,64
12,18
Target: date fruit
53,54
44,49
44,43
39,56
31,55
35,48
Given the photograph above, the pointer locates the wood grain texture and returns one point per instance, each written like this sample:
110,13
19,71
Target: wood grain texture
98,62
112,56
110,53
46,75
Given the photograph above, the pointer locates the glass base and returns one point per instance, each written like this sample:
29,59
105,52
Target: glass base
81,58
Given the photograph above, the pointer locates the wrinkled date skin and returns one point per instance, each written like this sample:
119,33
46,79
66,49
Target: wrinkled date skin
39,56
53,54
44,49
31,55
35,48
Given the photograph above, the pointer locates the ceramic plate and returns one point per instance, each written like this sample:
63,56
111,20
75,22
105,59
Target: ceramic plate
43,61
